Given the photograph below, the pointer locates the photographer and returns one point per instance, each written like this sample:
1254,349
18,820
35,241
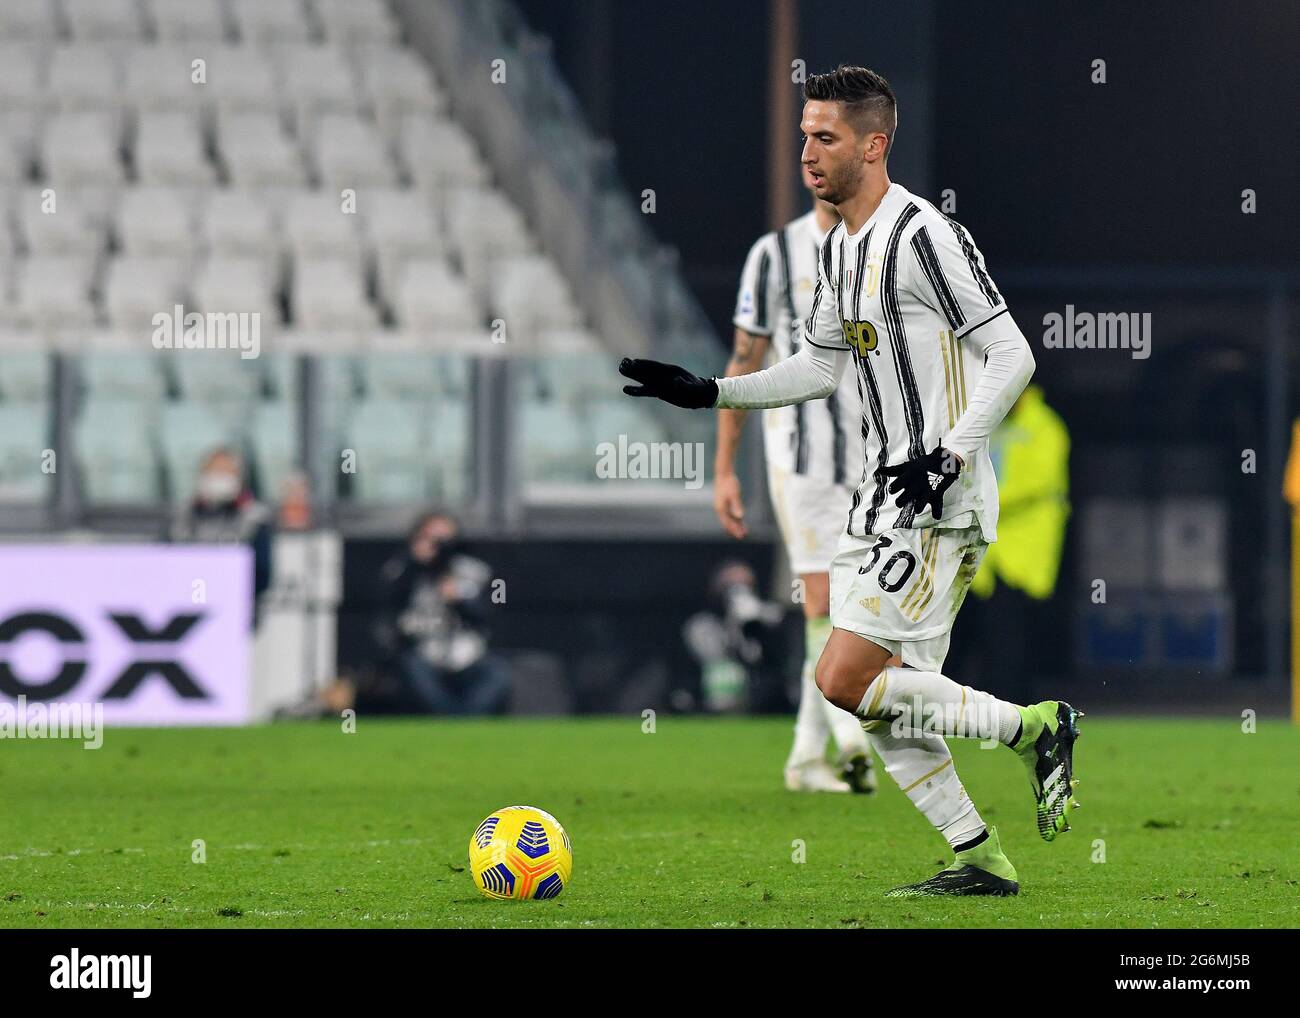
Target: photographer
738,641
435,623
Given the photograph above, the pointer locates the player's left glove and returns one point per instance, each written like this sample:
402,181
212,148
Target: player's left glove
669,383
921,482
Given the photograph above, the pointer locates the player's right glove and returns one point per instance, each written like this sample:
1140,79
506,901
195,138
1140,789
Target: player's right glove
669,383
920,483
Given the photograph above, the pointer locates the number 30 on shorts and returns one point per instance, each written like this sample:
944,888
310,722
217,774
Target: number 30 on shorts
891,576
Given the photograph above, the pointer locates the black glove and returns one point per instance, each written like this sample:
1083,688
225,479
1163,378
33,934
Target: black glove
669,383
921,482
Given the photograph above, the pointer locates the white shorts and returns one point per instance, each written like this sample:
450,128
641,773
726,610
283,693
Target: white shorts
902,589
812,515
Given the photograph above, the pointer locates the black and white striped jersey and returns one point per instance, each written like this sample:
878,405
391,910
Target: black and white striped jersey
901,294
820,439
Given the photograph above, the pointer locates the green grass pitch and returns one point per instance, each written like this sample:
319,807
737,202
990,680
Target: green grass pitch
304,825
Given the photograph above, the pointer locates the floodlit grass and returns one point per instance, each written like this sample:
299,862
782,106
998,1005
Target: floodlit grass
303,825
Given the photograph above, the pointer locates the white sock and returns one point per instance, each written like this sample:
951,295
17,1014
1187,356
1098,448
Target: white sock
909,700
923,768
810,724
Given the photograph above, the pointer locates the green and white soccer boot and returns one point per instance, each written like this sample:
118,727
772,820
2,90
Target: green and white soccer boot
1046,747
982,870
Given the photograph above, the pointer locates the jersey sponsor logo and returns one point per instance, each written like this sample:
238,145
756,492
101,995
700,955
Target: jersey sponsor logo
746,303
861,336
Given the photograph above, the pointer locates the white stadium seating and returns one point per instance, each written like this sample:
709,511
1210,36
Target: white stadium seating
198,151
188,20
169,150
429,295
257,152
156,221
328,295
261,21
137,288
103,20
349,152
84,77
28,19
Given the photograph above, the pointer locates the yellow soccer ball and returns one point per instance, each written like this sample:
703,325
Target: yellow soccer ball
520,852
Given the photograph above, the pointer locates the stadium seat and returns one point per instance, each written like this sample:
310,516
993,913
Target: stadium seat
353,22
25,431
137,288
53,292
257,153
553,444
218,377
315,226
328,294
348,152
242,80
234,284
84,77
189,21
116,367
608,418
103,20
569,342
162,78
414,375
29,19
26,367
70,227
82,148
237,223
429,295
437,153
392,455
273,439
169,150
269,21
450,443
23,98
155,221
483,226
397,226
117,461
397,83
318,80
530,295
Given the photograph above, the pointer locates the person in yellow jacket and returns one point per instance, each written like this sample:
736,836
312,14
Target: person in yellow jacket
1031,456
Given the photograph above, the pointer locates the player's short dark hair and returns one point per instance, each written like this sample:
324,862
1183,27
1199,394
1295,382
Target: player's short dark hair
868,100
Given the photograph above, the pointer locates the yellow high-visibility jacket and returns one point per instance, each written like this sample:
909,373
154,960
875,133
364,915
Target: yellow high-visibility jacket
1031,456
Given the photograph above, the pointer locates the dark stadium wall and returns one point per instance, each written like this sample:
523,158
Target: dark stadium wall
1047,166
607,614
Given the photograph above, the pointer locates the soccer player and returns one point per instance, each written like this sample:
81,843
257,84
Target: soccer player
903,294
811,450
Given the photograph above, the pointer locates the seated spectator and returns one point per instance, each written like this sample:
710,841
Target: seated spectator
435,623
224,511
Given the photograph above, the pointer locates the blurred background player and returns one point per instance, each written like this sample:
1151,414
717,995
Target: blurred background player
811,451
1016,581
